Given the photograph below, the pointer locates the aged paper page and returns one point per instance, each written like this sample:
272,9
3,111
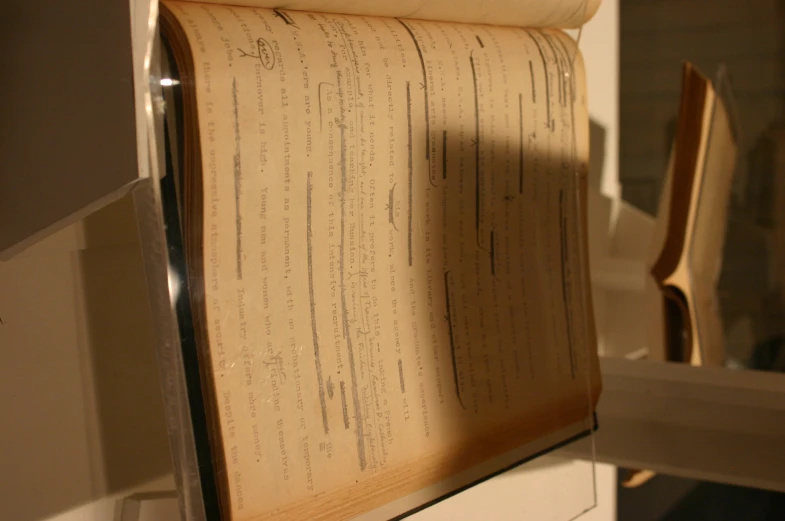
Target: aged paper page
705,251
391,252
521,13
691,224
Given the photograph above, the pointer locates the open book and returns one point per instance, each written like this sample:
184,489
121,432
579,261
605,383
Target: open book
384,230
690,232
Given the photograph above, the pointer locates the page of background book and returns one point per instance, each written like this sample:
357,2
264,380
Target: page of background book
392,274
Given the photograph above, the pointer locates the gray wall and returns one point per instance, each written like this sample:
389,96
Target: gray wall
656,35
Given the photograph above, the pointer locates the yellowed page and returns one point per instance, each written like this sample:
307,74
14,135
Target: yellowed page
521,13
392,273
695,261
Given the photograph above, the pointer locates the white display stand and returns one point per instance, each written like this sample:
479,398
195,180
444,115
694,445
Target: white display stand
705,423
